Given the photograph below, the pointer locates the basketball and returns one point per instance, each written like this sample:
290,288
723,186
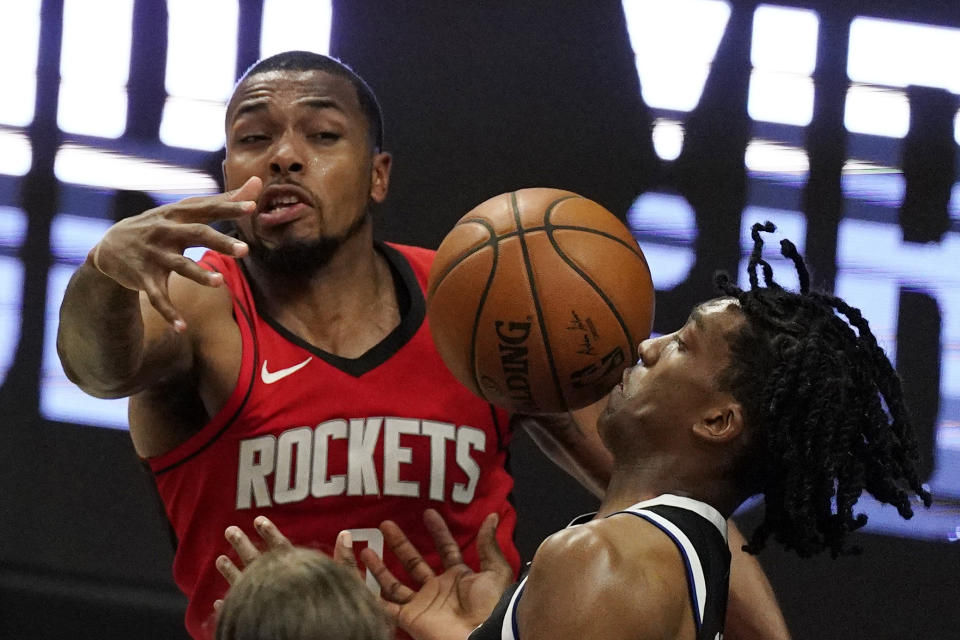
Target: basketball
538,299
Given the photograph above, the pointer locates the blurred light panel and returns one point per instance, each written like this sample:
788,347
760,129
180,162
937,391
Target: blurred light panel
674,44
876,111
94,67
763,156
97,168
897,54
11,296
195,124
784,54
16,156
665,226
201,62
60,399
19,44
302,25
784,39
13,227
874,262
886,56
667,138
72,237
780,97
13,230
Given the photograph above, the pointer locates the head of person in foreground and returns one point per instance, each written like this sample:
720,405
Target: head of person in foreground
299,594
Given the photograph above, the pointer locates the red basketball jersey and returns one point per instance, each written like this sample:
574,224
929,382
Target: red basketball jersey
320,443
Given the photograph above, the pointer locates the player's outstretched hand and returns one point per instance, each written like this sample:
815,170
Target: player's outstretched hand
140,252
246,550
448,606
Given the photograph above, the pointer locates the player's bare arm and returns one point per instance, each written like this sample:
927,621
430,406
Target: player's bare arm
571,441
752,609
578,578
120,329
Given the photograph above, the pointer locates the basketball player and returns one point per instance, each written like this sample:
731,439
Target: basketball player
291,371
762,391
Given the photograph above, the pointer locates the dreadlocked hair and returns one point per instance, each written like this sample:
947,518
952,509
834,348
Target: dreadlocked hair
826,408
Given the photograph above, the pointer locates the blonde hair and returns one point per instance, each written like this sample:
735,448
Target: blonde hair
299,594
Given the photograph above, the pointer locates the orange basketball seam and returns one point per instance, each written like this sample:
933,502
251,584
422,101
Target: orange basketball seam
495,247
533,288
549,230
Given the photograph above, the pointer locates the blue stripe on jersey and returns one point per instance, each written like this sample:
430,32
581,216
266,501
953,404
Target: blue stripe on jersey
514,605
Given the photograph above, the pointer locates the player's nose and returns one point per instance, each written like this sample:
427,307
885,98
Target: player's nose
286,155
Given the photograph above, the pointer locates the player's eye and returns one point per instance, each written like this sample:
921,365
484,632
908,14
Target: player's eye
681,345
251,138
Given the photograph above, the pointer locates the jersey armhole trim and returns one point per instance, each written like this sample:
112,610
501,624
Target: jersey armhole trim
222,421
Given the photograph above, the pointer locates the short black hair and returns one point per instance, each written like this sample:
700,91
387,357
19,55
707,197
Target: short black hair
825,409
310,61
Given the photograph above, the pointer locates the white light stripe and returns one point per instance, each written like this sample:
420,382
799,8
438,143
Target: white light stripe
674,44
309,31
19,45
897,54
94,69
784,39
17,156
84,165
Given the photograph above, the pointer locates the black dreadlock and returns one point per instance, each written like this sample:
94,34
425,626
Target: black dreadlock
826,407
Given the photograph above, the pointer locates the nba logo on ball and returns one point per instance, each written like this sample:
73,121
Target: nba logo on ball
538,299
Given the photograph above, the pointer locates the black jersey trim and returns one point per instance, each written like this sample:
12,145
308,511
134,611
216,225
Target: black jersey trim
240,407
413,311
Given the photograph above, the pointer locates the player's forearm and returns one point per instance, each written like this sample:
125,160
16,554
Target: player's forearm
573,447
100,337
752,609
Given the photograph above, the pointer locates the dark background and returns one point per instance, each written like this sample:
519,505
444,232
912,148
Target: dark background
479,98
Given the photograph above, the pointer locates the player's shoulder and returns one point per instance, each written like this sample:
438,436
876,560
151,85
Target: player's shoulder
618,542
594,565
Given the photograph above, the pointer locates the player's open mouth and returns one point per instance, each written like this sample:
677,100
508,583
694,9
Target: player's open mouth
280,206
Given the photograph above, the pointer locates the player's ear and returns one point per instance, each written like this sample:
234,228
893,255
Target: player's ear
380,176
721,423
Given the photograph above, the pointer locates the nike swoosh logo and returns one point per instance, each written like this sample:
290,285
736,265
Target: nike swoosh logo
269,377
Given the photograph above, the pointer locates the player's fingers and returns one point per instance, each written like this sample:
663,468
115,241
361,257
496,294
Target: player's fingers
202,235
249,190
491,557
210,209
446,545
408,555
224,206
192,271
160,300
241,544
227,569
270,533
391,589
344,555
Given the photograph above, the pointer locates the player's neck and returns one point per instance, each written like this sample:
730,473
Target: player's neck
660,474
345,308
